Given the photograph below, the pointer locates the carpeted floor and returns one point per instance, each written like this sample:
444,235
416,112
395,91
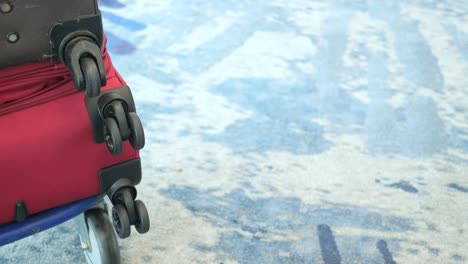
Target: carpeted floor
292,132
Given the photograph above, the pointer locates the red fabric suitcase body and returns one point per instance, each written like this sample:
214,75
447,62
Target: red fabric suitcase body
48,156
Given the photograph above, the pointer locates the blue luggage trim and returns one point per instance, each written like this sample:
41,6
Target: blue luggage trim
12,232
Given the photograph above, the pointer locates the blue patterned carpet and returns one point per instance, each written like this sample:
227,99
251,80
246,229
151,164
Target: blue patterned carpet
292,132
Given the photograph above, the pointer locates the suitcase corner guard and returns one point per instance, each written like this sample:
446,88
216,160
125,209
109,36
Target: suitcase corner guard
125,174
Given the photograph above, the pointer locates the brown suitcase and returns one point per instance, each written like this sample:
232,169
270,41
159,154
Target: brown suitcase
58,30
25,26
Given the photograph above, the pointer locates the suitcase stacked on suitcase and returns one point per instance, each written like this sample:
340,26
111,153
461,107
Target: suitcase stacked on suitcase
68,122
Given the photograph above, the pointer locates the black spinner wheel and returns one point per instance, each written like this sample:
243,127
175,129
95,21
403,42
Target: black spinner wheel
92,79
126,198
112,136
137,137
117,110
142,224
121,221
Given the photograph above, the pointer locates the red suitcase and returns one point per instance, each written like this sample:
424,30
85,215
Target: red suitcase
53,147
